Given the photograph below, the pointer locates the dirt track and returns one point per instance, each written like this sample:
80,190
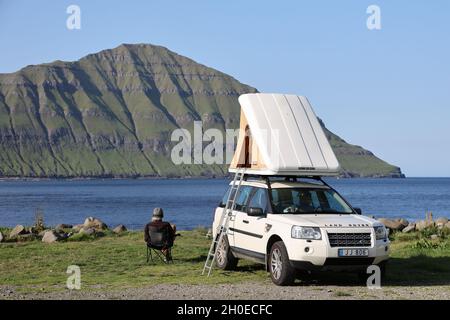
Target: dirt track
240,292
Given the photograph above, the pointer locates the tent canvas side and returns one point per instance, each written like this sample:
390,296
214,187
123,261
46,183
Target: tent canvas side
281,135
247,152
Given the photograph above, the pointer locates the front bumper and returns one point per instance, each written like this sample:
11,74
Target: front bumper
319,255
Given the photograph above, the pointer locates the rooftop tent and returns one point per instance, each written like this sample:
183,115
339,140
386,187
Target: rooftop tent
281,135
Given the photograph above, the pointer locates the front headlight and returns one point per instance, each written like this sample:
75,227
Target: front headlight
380,233
309,233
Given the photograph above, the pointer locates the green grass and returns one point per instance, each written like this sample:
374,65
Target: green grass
112,262
119,261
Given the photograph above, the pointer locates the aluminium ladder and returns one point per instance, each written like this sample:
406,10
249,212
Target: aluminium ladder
224,220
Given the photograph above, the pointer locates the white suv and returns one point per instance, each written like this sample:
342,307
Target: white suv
290,225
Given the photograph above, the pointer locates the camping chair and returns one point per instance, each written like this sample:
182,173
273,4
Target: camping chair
159,240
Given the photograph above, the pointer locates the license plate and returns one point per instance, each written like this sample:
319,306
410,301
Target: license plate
353,252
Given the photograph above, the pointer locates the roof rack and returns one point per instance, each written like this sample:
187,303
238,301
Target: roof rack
267,178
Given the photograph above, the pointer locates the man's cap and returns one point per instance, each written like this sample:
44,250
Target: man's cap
158,212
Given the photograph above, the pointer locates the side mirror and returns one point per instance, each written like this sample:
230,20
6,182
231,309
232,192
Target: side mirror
253,211
358,210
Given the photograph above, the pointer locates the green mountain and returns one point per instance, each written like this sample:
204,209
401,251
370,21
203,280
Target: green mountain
112,114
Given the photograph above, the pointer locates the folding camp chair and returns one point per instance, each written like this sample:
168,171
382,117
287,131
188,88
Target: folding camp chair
159,240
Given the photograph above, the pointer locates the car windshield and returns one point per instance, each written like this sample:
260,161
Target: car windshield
308,200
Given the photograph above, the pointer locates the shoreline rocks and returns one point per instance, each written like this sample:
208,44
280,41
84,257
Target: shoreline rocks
87,231
92,226
410,228
16,231
424,224
95,223
394,225
397,225
77,228
119,229
50,236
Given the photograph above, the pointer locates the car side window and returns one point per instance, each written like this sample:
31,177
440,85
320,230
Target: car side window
225,198
242,198
259,199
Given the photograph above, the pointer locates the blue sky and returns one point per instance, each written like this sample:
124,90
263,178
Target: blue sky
387,90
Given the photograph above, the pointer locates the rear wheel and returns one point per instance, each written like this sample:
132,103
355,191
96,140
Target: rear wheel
224,257
281,271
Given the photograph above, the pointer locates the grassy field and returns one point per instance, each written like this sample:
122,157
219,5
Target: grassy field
119,261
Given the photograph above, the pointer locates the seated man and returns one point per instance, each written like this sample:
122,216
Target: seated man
159,225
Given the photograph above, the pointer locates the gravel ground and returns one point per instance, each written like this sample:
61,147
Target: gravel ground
239,292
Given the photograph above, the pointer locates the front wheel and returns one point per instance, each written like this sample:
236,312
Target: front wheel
224,257
281,271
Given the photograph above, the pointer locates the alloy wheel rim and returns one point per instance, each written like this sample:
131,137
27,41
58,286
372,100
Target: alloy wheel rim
276,264
221,253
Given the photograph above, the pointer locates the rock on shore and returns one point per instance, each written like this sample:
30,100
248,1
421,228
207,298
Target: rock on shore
120,229
91,226
18,230
405,226
395,225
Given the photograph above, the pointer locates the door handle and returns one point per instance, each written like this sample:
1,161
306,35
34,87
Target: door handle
245,221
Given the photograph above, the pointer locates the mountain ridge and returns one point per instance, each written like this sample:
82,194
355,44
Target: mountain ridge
111,113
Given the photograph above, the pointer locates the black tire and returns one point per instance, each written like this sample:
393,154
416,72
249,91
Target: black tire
281,271
224,257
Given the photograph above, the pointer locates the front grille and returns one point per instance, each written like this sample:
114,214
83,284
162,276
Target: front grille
349,239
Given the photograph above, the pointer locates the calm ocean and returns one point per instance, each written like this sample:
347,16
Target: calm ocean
190,202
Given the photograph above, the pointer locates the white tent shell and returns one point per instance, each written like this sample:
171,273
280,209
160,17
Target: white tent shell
281,135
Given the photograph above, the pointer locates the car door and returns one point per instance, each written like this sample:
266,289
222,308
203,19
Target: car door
238,213
249,230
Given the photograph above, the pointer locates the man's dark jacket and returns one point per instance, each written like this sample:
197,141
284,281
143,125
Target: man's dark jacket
160,226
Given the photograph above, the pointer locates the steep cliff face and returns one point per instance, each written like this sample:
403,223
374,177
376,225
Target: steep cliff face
112,114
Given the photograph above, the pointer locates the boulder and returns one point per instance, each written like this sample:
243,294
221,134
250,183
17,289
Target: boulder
434,237
404,223
447,225
1,237
77,228
41,234
394,225
88,231
119,229
410,228
50,237
63,226
96,223
424,224
441,222
18,230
